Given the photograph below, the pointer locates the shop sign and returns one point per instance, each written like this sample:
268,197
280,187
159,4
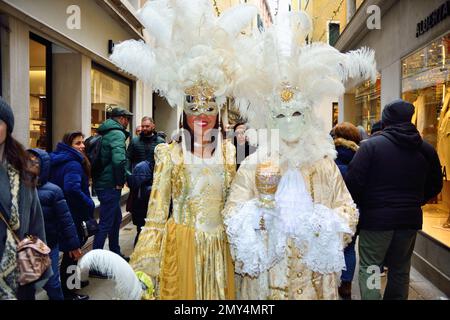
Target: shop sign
436,17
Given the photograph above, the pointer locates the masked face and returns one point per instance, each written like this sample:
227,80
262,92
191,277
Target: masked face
290,123
194,106
200,99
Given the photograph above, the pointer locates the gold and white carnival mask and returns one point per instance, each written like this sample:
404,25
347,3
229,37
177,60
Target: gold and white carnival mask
200,99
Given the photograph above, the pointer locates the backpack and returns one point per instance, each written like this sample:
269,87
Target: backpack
93,146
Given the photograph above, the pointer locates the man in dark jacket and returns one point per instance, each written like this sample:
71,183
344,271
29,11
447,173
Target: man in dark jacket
59,226
391,176
108,183
141,151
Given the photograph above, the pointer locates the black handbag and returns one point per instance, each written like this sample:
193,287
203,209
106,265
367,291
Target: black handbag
90,228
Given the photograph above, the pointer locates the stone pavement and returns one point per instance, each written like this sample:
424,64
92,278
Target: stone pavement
98,289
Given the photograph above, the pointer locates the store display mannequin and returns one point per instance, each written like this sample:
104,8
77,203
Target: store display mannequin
289,214
443,149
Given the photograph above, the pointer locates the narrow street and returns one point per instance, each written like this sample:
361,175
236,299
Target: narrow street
99,289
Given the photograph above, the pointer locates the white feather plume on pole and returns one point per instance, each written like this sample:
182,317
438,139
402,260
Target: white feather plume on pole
128,286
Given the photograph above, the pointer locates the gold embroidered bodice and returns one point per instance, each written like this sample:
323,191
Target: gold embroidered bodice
197,190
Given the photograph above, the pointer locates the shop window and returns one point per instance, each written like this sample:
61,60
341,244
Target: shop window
335,114
426,84
40,86
368,103
108,90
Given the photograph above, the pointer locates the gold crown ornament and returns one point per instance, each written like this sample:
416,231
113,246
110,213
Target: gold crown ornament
287,92
200,92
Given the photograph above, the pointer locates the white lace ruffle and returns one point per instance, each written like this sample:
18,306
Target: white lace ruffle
255,250
316,230
322,240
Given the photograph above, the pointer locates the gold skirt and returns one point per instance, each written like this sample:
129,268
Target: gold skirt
195,265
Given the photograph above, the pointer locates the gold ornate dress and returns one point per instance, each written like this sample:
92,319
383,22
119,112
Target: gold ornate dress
290,279
188,253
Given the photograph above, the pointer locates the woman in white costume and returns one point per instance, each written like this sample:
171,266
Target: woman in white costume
289,214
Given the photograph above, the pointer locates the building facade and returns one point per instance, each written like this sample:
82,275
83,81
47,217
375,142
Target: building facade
55,67
412,49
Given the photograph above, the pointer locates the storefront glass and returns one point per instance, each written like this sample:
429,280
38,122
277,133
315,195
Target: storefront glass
39,116
108,90
368,103
426,84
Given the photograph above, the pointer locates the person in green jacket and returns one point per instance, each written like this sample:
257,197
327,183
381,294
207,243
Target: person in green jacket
108,183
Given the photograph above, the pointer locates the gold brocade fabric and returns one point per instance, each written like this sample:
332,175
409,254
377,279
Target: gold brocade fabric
188,254
326,186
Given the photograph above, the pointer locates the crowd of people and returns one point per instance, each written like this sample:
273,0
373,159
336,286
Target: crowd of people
220,218
48,195
377,173
63,202
389,204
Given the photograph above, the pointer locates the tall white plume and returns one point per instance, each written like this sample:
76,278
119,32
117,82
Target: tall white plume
281,55
128,286
154,16
235,19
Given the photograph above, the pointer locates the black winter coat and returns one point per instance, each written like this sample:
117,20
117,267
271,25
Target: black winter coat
59,226
67,172
391,176
142,148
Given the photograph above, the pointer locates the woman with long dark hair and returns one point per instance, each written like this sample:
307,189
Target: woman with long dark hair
19,206
71,172
193,260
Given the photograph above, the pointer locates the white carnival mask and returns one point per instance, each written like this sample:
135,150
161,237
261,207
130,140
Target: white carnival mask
289,113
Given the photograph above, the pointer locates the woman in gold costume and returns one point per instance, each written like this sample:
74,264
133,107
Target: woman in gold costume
192,64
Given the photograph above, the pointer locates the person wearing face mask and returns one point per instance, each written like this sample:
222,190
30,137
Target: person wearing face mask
185,250
289,214
70,170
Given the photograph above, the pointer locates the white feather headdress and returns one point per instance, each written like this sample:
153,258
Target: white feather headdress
281,70
191,46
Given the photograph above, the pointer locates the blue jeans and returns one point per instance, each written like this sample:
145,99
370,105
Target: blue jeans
350,261
110,219
53,285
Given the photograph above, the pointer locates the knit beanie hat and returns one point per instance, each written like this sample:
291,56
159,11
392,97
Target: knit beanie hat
398,111
6,115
